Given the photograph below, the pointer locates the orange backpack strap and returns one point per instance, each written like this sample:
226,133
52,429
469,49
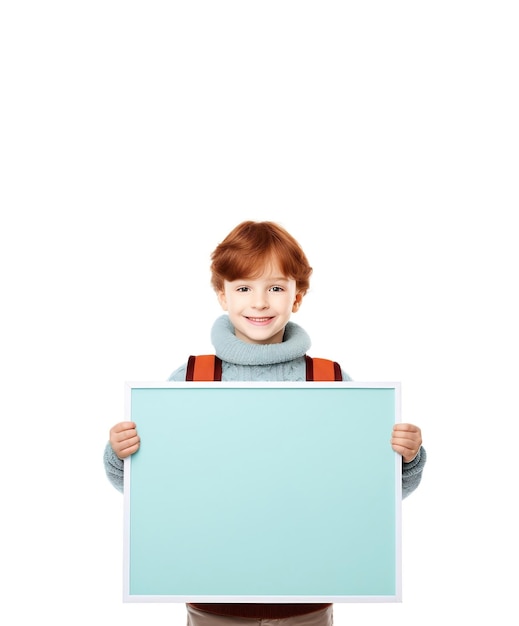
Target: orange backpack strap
208,367
322,369
204,367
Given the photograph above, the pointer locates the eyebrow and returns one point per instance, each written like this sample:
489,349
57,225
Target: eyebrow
269,279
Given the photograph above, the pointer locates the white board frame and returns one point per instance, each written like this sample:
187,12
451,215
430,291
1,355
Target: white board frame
129,596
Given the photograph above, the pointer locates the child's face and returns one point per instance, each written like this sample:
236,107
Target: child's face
259,308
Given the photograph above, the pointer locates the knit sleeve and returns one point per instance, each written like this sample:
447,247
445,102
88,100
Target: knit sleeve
179,374
345,376
412,472
114,468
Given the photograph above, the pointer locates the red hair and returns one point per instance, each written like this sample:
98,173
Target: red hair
250,247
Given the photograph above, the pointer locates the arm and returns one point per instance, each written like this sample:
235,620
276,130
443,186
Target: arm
124,441
345,376
179,374
407,441
114,467
412,472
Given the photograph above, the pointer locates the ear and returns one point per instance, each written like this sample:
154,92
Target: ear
297,302
222,299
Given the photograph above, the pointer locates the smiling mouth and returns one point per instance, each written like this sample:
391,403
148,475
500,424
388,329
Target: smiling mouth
259,320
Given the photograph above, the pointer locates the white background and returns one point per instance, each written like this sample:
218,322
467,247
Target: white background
134,135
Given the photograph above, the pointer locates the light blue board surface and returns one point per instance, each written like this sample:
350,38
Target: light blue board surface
262,492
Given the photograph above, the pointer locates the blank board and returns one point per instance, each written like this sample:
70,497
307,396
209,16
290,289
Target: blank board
263,492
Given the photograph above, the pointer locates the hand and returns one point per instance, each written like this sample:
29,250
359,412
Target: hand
406,440
124,439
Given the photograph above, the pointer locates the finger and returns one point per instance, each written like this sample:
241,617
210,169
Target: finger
408,434
128,441
405,444
125,434
401,427
407,455
404,448
407,447
122,426
129,446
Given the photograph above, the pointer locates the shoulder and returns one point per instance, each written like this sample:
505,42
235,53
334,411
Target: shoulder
179,374
346,377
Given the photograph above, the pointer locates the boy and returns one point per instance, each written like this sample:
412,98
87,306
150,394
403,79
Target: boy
260,275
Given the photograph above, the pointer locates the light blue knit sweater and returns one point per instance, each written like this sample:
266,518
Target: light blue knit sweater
253,362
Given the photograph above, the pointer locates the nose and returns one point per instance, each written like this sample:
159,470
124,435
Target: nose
260,301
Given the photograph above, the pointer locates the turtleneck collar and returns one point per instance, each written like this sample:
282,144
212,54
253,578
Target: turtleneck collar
228,347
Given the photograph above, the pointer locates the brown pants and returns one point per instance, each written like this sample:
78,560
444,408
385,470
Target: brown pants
201,618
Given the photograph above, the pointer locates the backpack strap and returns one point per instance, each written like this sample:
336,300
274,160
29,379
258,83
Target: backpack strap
322,369
204,367
208,367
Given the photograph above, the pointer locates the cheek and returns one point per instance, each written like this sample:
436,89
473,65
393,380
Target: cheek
223,301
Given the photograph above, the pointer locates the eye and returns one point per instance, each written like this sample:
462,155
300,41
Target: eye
242,289
277,288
